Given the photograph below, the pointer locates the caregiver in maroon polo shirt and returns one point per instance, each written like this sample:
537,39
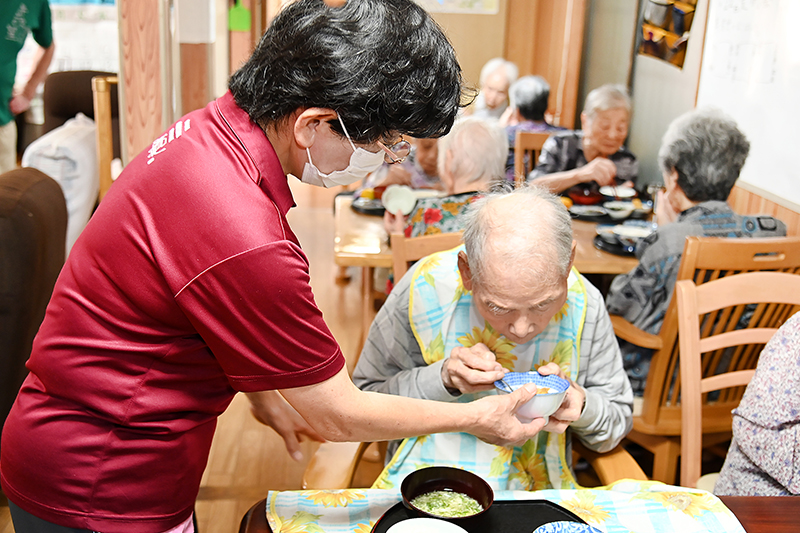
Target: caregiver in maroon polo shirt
188,285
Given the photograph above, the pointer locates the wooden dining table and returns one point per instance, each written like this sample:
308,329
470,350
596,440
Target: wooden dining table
757,514
361,241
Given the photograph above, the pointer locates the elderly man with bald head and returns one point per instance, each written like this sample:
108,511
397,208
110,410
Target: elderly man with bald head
508,299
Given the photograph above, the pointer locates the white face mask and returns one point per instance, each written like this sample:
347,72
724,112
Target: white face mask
362,164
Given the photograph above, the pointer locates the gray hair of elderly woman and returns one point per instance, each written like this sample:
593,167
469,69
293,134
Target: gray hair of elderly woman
479,150
530,95
605,97
707,150
536,228
510,69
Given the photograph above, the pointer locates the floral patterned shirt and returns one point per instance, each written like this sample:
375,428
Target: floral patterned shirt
440,214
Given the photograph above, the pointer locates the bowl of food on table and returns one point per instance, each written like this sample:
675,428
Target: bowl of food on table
446,493
619,209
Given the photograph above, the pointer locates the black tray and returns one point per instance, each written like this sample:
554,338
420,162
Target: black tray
509,516
367,207
606,219
613,248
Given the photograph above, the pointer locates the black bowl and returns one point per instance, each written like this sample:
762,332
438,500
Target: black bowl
446,478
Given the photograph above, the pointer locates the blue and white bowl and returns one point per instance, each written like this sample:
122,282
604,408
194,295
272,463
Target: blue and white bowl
566,527
544,403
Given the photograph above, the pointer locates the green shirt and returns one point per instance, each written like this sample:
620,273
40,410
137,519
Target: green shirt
17,18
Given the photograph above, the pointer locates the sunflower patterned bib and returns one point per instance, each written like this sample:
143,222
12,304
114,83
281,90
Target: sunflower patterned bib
442,317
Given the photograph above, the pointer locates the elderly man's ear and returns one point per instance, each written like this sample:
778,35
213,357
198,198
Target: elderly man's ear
572,255
466,273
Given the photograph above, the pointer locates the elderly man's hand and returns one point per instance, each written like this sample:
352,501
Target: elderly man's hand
599,169
572,406
471,369
498,425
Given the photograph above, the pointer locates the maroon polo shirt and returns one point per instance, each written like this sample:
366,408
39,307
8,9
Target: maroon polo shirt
186,286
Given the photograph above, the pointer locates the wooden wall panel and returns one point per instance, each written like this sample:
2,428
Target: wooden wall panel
746,202
195,76
520,45
546,38
141,74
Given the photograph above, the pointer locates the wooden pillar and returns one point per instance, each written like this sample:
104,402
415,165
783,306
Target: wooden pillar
141,101
196,33
546,38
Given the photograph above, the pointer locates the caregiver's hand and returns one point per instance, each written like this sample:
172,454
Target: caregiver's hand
269,408
497,423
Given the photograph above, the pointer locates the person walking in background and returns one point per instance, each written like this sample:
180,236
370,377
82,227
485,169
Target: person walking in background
18,18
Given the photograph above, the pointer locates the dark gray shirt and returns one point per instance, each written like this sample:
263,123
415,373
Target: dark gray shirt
564,151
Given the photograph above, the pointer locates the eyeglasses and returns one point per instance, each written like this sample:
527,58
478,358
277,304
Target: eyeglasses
397,153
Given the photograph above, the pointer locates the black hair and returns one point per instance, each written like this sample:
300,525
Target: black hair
384,65
530,95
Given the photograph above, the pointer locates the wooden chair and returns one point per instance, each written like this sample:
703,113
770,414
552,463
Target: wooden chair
658,427
103,88
408,250
697,307
527,146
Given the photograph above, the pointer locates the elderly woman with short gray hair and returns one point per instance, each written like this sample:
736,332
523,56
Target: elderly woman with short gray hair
593,156
701,156
471,157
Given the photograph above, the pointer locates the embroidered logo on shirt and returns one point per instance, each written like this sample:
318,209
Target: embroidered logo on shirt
160,144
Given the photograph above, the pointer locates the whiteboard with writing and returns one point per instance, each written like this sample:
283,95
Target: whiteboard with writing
751,70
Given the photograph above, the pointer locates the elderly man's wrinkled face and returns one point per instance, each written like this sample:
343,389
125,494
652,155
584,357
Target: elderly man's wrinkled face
607,130
516,309
495,89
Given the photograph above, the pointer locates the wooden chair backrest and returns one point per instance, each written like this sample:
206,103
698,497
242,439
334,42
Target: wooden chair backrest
696,307
103,114
706,259
527,146
407,250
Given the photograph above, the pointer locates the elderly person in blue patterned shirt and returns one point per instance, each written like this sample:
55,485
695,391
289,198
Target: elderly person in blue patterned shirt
701,156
